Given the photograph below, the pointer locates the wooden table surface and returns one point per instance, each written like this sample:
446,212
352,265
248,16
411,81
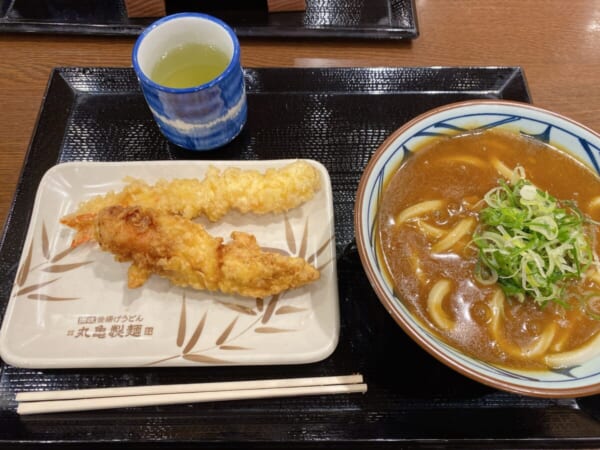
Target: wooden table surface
556,42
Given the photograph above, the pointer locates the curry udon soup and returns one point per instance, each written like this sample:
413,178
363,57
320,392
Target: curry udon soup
428,219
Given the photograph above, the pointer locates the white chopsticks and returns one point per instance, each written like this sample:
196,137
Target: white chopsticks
125,397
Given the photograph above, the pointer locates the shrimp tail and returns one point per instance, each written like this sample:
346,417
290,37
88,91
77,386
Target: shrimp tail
83,224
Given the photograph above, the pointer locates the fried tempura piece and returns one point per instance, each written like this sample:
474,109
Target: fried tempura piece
274,191
183,252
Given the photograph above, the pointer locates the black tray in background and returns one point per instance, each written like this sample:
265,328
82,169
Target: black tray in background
338,117
365,19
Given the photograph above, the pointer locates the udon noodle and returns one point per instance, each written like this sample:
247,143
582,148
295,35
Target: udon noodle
427,220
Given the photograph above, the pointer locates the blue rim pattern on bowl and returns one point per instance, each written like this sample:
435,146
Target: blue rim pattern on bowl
449,121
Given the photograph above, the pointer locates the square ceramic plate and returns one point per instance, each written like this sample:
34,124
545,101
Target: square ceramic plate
72,308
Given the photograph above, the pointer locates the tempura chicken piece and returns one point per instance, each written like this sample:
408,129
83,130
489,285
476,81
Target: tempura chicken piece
183,251
274,191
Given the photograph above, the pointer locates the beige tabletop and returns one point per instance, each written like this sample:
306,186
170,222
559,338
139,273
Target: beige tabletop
556,42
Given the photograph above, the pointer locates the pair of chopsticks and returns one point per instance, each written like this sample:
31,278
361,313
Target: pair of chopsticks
106,398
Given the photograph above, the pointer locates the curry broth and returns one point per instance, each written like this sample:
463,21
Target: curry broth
459,170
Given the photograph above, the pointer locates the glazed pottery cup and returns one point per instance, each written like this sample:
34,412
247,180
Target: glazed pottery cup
201,117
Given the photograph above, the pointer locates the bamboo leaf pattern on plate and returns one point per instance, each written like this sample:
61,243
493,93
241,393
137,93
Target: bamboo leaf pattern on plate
204,359
304,240
62,254
49,297
33,287
233,347
48,265
45,243
24,270
196,334
182,323
313,258
239,308
289,234
221,339
270,308
58,268
289,310
271,330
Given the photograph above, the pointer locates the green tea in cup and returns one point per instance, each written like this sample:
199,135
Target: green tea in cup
190,64
189,69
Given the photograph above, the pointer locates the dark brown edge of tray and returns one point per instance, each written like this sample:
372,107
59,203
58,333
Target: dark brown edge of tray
369,31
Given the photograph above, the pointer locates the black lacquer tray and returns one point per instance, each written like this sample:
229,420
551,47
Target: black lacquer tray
368,19
338,117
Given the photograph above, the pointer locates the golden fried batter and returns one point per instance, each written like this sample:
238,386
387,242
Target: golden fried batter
274,191
182,251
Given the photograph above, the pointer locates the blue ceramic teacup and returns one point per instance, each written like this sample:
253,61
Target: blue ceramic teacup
201,117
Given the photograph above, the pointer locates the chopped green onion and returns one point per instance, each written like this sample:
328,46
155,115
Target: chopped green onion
531,241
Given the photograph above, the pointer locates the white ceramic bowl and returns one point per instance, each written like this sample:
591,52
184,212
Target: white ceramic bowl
448,120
